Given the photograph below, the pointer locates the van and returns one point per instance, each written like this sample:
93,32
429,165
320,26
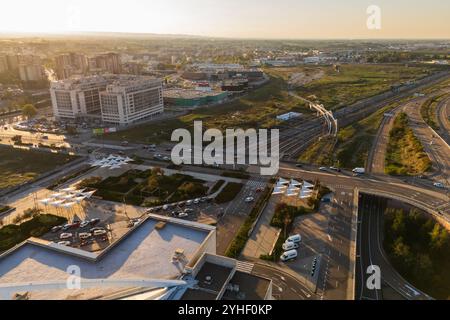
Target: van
296,238
287,246
289,255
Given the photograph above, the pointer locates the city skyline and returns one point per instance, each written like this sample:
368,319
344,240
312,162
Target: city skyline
252,19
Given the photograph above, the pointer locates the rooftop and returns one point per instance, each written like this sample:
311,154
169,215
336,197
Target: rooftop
145,254
189,93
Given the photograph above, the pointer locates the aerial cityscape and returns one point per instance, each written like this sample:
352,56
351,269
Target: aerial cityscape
190,150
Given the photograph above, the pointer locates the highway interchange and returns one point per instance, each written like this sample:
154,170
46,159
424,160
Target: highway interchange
344,272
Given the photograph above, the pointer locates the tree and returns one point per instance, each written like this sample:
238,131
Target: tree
29,111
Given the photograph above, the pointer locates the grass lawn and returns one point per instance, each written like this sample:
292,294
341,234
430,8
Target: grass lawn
19,166
405,154
357,82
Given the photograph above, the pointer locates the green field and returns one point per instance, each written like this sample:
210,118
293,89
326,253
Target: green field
19,166
417,247
405,154
356,82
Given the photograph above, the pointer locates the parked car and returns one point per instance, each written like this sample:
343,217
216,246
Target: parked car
289,255
189,202
64,236
249,199
84,235
183,214
84,223
94,221
296,238
96,229
288,246
56,229
64,243
99,233
67,226
189,210
197,201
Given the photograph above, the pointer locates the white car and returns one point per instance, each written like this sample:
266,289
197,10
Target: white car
183,215
64,236
439,185
189,202
197,201
84,223
99,232
85,235
64,243
249,199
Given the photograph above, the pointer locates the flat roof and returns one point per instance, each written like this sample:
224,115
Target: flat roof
219,275
190,94
145,254
251,287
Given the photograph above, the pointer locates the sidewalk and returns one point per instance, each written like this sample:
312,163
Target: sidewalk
264,236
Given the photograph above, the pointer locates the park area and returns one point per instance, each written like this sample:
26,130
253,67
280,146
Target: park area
147,188
18,166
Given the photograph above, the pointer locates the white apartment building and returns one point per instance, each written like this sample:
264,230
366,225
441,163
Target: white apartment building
129,99
115,99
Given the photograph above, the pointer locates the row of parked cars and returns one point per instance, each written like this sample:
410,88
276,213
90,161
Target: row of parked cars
84,237
75,225
180,213
290,247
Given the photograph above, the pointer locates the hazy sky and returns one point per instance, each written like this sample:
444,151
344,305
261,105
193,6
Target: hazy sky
231,18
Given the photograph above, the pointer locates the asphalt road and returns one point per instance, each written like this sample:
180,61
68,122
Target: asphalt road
444,119
370,252
436,148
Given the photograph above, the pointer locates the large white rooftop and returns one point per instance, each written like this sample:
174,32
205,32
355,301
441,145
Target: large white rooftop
145,254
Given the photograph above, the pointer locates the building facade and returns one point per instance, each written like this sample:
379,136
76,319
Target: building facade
115,99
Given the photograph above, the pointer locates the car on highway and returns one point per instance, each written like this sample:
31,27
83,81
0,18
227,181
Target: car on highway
358,171
335,169
439,185
323,169
289,255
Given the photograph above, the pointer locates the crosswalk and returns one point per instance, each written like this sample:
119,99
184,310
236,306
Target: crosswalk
246,267
255,184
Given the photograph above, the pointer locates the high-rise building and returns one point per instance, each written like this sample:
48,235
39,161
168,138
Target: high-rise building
129,99
116,99
31,72
70,64
108,62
